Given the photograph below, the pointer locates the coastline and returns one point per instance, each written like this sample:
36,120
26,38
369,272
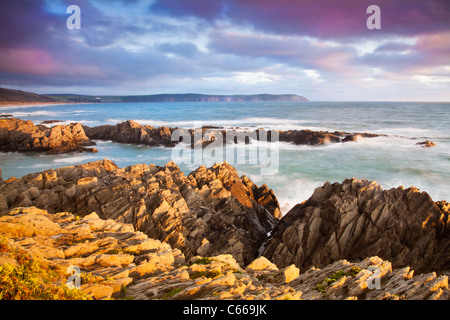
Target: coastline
214,251
35,104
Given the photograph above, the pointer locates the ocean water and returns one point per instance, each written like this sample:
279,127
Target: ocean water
391,161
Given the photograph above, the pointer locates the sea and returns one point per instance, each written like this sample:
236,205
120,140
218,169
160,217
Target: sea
392,160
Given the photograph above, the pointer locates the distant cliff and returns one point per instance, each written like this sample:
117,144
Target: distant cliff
10,96
188,97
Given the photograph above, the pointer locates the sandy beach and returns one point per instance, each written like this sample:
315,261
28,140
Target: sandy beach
13,104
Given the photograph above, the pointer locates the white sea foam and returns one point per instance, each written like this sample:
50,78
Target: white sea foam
73,159
243,124
39,113
67,122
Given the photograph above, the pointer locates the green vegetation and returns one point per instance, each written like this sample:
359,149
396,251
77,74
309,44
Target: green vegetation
170,294
321,287
30,279
11,96
204,260
207,274
125,251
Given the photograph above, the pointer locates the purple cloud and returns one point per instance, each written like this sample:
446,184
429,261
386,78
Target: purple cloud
186,43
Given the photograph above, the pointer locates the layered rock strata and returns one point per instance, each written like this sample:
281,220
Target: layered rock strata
211,211
112,260
357,219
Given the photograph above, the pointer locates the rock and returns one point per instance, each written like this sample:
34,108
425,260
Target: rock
290,273
211,211
105,251
427,144
205,278
357,219
133,132
98,291
19,135
343,280
261,264
27,222
314,138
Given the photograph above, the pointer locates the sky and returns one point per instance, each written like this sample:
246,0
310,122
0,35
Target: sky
321,49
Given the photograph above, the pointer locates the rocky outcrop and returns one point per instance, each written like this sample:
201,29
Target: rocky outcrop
209,212
315,138
109,255
105,259
357,219
426,144
18,135
133,132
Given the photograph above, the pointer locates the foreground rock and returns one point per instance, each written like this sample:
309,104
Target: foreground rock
109,255
357,219
114,261
19,135
209,212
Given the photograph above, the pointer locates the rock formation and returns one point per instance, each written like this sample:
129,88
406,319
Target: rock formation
426,144
108,259
314,138
209,212
357,219
18,135
133,132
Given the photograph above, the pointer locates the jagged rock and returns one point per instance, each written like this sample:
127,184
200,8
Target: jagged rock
290,273
344,280
19,135
261,264
217,277
427,144
314,138
211,211
357,219
133,132
109,251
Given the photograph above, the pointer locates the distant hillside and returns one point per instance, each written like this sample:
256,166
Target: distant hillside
188,97
10,96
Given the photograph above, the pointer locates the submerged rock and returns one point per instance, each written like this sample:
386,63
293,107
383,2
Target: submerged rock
427,144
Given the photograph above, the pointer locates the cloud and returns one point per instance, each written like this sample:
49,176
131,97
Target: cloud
295,46
321,18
